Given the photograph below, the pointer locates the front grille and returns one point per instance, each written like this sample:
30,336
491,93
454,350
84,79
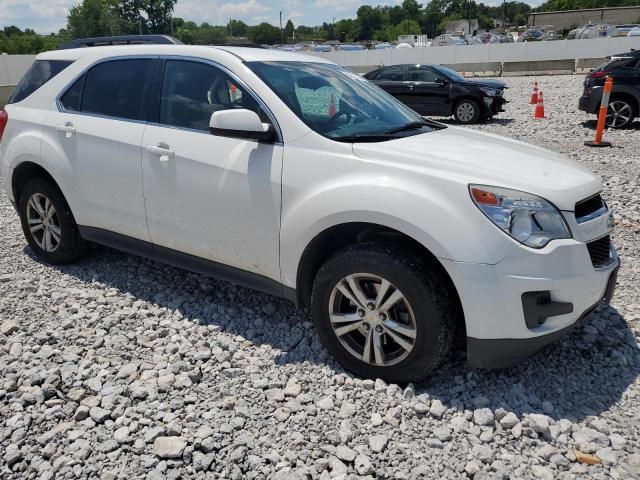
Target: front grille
600,251
586,208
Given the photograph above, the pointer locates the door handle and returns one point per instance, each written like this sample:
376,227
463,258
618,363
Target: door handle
162,151
68,129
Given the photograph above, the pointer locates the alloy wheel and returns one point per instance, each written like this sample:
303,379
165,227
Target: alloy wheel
619,114
44,223
465,112
372,319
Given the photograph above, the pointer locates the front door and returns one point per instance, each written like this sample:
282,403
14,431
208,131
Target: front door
212,197
429,92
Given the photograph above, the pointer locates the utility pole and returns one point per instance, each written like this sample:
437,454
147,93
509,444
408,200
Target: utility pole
281,30
333,29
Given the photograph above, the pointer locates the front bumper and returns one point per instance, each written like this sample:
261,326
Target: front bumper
494,105
498,333
503,353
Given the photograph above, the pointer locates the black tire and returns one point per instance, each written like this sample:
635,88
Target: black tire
468,105
423,287
71,246
625,107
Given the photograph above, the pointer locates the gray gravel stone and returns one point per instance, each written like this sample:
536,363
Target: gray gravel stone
377,443
169,447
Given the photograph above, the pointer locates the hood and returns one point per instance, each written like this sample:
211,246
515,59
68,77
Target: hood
487,83
469,156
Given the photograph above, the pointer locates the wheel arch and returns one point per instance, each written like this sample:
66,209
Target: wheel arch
25,171
337,237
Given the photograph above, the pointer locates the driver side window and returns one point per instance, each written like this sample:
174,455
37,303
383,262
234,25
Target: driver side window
193,91
423,74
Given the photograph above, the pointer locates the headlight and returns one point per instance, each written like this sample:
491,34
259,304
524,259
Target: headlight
529,219
489,92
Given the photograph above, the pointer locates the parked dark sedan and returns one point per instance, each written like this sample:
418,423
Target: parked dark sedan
439,91
624,103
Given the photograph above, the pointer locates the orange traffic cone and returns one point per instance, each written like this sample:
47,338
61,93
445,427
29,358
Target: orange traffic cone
534,95
332,107
539,112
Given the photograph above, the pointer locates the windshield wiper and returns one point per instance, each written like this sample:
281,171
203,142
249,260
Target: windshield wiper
407,126
377,137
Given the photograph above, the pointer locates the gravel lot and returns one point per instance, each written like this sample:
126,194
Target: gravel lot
120,367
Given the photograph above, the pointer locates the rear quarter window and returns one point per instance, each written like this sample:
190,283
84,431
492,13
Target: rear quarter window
40,73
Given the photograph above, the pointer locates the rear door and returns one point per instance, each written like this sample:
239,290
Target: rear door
392,80
428,91
98,126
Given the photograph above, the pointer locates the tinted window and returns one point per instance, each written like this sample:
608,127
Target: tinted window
423,74
116,88
192,91
71,99
390,74
40,73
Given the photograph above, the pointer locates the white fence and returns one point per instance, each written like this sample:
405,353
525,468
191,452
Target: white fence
500,52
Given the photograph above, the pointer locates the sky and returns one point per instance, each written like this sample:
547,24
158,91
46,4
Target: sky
46,16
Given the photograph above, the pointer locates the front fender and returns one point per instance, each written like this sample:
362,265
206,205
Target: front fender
449,228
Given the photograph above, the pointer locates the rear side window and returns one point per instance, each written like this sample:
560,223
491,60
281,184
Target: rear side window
40,73
72,97
115,88
391,74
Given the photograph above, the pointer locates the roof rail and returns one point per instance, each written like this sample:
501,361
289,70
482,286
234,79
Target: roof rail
121,40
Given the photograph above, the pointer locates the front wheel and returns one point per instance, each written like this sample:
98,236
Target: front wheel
466,111
382,314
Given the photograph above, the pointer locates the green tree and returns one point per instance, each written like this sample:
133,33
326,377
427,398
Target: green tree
237,28
93,18
288,30
145,16
411,9
265,33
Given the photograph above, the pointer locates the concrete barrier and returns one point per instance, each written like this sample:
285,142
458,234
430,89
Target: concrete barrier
583,65
561,56
540,67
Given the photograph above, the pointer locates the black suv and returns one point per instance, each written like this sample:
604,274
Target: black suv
440,91
624,103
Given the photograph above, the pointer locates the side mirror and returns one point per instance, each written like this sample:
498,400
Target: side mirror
241,123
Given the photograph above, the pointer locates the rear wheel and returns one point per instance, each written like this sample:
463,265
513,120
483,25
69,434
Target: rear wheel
620,113
466,111
48,224
382,314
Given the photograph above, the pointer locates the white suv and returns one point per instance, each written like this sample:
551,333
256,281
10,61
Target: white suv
295,176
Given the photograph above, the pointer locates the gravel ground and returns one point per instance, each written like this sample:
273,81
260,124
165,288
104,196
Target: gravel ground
120,367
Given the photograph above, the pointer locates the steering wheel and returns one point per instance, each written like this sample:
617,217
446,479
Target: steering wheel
339,114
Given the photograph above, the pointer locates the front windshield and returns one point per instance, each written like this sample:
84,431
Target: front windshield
450,74
339,104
